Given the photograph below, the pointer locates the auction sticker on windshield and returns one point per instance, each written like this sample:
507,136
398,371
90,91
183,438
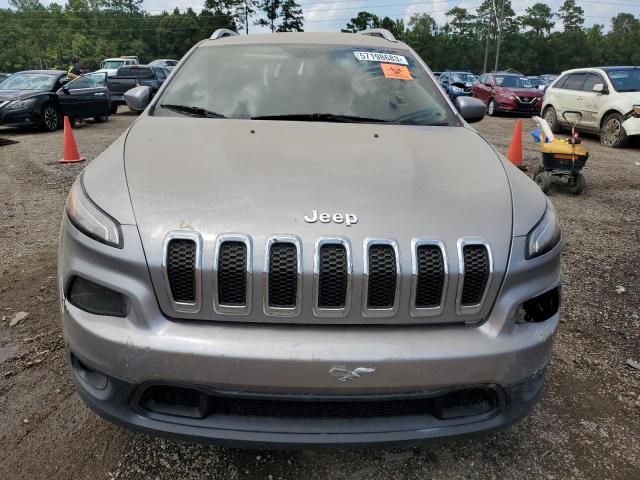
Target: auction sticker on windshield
397,72
381,57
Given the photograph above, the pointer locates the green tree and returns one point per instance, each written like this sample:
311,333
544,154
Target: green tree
572,16
271,11
539,18
292,17
362,21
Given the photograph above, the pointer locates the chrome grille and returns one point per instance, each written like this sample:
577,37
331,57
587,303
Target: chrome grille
382,278
181,266
281,295
283,275
232,274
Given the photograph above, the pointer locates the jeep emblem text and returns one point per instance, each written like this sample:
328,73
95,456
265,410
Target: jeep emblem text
347,218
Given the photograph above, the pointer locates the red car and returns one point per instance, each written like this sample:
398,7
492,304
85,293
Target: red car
506,92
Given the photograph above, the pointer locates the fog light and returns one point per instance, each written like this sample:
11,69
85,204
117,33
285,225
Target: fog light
540,308
96,299
95,379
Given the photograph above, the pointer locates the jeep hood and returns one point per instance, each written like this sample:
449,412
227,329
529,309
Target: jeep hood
261,178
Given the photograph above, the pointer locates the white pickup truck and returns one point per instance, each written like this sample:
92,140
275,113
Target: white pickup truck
111,65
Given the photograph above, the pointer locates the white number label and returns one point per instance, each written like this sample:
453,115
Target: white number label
380,57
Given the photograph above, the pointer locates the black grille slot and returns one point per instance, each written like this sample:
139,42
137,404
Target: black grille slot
181,269
232,273
476,274
382,277
283,275
333,273
430,281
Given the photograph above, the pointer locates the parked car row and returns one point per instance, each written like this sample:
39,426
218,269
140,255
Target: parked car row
608,98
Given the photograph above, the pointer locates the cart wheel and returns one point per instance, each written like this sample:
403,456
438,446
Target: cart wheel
543,179
538,169
577,184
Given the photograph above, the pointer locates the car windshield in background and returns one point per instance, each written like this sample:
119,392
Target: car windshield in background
537,81
306,83
513,81
112,65
29,81
462,78
627,80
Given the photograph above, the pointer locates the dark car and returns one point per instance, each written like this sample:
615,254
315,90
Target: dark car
132,76
42,97
457,84
507,92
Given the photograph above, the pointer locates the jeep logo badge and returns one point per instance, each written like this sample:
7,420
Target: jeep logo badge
347,218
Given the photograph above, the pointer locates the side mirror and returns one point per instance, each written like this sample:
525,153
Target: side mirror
471,109
65,89
600,88
138,98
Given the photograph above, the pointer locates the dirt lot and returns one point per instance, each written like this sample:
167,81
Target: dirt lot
586,426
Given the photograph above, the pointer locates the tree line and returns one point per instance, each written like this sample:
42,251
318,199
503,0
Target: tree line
539,41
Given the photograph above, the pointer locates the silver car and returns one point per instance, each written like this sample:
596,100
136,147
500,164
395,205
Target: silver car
301,242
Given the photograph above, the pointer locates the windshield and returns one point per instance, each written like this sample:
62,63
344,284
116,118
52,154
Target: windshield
29,81
461,77
513,81
112,64
627,80
249,81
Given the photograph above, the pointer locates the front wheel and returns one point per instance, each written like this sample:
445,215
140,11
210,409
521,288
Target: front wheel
50,121
101,118
612,133
491,108
114,108
577,184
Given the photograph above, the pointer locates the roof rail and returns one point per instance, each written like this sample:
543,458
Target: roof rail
378,32
223,32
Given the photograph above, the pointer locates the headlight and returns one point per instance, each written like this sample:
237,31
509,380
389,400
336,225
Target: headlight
545,235
507,95
87,217
636,110
21,104
457,89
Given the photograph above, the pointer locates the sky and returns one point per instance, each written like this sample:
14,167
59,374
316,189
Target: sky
333,15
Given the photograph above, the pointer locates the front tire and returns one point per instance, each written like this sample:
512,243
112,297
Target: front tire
491,108
101,118
544,180
551,117
114,109
612,133
50,121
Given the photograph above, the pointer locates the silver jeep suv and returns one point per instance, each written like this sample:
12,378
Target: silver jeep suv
301,242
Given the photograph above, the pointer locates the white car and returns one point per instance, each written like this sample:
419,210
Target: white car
110,66
608,99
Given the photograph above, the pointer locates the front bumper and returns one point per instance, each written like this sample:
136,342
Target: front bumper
271,359
632,126
512,106
19,118
117,99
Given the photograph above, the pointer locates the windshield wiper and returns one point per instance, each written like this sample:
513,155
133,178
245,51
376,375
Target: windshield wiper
191,110
321,117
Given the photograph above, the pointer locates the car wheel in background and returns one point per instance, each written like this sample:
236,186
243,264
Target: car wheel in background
544,180
577,184
114,109
101,118
551,117
50,121
612,133
491,108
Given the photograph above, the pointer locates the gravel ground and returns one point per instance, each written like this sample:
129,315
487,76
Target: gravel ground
586,426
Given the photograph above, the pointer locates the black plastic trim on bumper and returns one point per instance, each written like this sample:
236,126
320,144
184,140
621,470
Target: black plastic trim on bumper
114,403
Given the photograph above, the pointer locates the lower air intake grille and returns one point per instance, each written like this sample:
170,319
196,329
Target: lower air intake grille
430,276
382,277
476,274
181,270
283,275
232,273
332,276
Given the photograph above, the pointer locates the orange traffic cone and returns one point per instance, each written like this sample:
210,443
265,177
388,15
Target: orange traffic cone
515,149
70,152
